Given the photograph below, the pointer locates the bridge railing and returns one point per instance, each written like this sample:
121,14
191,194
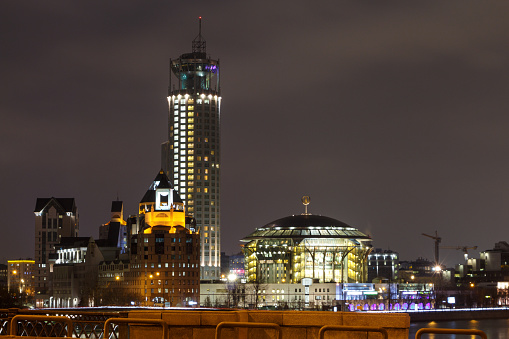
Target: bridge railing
84,324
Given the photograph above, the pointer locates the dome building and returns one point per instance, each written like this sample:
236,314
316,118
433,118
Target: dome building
306,246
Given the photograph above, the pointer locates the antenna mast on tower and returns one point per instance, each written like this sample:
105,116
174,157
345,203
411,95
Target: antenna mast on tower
199,43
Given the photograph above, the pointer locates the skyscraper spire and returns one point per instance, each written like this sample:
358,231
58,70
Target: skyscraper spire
199,43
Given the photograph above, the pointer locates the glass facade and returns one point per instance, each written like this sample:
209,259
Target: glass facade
306,246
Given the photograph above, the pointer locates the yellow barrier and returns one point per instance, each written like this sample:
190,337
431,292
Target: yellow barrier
326,328
225,324
449,331
42,319
160,322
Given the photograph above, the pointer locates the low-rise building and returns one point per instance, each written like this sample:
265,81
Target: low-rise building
20,280
321,296
76,268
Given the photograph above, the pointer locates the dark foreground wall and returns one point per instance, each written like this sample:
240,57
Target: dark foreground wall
294,324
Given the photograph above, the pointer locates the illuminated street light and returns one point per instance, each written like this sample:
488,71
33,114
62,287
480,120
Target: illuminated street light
232,277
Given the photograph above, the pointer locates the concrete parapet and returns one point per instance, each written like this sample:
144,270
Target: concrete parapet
201,324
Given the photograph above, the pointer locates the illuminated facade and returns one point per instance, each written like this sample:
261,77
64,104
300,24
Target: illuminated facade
164,255
191,156
20,278
306,246
75,270
55,218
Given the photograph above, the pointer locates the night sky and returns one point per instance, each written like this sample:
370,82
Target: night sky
391,115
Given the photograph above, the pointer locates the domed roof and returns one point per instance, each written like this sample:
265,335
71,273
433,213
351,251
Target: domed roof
306,226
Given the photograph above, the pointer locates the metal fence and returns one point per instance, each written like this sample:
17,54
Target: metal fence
84,324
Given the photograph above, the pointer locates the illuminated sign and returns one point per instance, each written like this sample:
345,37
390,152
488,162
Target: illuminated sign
353,292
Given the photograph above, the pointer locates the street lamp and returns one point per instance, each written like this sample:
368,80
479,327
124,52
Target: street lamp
232,277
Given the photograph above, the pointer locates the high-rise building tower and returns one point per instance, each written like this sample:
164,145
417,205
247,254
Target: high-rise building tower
54,218
191,156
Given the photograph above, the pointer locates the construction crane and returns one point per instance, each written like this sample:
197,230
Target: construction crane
462,248
437,245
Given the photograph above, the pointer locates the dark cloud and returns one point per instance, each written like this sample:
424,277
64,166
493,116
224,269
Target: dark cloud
391,116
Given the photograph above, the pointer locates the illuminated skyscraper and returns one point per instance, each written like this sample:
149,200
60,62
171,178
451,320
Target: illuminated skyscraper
191,156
